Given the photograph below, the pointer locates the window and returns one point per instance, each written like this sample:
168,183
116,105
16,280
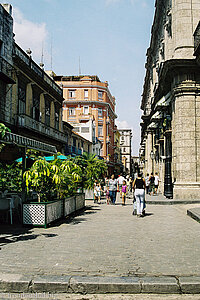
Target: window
122,138
85,130
85,94
22,99
100,130
76,129
72,93
100,95
72,111
124,149
100,112
36,106
47,112
74,142
85,110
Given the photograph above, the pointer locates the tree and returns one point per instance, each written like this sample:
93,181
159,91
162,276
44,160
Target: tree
92,169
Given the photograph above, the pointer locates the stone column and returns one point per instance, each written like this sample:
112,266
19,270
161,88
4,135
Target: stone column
52,120
42,108
185,17
186,141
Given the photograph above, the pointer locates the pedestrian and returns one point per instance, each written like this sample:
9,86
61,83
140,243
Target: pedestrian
147,182
124,191
131,184
151,184
112,189
139,188
120,180
107,196
96,191
156,182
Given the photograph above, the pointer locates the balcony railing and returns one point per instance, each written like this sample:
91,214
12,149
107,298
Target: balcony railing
6,71
29,62
29,123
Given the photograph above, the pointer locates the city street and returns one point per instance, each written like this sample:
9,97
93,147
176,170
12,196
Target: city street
107,240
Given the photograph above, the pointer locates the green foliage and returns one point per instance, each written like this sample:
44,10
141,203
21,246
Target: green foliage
3,130
52,179
11,177
92,169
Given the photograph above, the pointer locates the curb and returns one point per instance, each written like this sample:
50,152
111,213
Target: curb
172,202
12,283
194,213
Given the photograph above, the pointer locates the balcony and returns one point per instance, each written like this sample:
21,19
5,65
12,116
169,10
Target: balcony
39,127
6,71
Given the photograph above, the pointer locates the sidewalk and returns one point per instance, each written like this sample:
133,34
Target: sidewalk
105,249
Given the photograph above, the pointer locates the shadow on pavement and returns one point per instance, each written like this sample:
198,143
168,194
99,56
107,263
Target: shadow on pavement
10,235
77,217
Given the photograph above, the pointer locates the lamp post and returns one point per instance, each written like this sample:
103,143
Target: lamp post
152,155
168,187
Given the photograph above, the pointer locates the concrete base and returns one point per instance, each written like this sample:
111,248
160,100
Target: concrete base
186,190
99,285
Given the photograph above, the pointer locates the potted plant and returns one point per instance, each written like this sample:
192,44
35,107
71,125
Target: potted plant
55,184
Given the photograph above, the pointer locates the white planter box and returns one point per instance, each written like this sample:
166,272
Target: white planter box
42,214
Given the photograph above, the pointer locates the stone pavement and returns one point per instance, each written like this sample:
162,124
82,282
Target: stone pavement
106,243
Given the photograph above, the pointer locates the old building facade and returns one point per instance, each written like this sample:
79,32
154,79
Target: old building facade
170,128
86,97
125,147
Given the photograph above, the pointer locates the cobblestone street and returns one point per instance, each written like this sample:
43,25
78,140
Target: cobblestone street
107,240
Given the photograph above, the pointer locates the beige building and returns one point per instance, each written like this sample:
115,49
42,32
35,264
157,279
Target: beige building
86,97
125,147
117,152
170,139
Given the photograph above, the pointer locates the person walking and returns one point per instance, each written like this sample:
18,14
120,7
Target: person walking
151,184
139,188
120,180
156,182
113,188
147,183
124,191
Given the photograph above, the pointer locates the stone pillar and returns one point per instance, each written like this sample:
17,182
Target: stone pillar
187,141
52,120
60,119
185,17
42,108
15,98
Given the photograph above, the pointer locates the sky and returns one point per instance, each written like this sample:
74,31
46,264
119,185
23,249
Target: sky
108,37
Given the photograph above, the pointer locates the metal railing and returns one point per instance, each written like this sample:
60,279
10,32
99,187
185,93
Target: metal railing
28,122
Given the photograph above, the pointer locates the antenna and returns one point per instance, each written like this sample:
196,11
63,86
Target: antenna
79,66
42,58
51,54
